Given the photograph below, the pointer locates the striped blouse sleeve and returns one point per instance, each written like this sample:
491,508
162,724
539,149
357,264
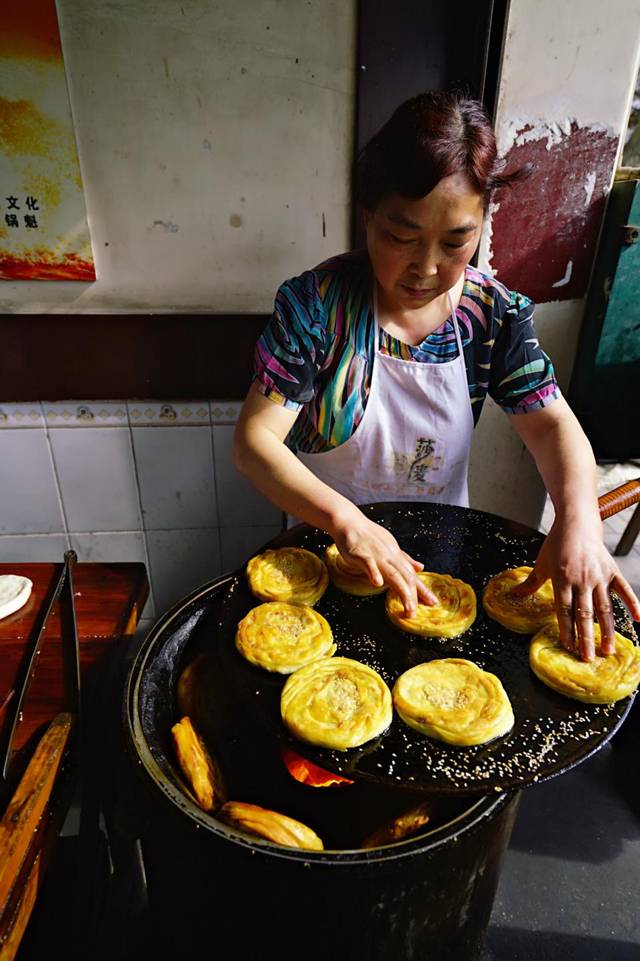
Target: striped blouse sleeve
522,376
290,350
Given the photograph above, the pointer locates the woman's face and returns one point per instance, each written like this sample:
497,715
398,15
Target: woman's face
419,248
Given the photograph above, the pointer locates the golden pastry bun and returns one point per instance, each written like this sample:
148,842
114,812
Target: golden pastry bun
269,825
346,580
603,681
524,615
289,574
453,700
336,702
454,613
284,637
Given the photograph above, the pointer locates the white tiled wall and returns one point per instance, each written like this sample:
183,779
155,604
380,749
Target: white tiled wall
137,481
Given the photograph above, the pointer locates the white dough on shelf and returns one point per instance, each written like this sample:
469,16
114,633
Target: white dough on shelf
15,591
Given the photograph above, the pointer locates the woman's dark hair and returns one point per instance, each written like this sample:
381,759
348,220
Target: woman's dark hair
430,137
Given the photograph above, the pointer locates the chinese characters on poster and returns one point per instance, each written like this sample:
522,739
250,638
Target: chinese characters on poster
44,233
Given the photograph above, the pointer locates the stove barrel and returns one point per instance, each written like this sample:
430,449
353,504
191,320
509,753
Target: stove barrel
428,903
213,888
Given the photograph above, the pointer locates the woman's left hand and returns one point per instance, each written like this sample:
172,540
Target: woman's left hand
583,574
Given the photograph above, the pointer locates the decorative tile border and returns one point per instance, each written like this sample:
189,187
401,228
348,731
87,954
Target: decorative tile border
86,413
168,413
21,415
114,413
225,412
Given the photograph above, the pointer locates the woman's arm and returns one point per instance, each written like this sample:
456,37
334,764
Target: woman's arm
573,554
261,454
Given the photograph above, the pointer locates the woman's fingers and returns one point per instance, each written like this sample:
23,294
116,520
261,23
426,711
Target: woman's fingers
399,572
425,596
604,614
626,594
530,586
405,587
564,611
355,564
372,548
583,620
401,575
364,564
373,572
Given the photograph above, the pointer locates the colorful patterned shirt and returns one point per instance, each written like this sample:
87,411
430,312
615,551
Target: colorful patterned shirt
316,354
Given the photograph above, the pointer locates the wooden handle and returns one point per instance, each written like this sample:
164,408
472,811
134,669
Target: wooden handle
5,704
619,498
17,923
20,821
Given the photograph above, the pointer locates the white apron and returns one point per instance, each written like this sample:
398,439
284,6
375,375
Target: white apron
414,437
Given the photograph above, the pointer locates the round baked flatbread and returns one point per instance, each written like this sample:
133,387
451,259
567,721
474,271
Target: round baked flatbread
346,580
337,703
15,591
602,681
524,615
288,574
453,700
284,637
454,613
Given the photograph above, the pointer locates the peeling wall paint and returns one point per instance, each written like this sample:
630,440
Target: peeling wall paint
517,131
573,59
567,77
545,229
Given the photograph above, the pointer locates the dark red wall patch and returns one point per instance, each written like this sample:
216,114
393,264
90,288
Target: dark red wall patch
545,230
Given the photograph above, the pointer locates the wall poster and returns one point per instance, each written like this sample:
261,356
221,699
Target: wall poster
44,233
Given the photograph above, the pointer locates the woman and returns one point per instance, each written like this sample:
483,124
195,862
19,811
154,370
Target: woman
375,366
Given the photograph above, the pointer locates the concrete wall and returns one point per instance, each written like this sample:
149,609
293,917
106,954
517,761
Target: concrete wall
215,139
566,84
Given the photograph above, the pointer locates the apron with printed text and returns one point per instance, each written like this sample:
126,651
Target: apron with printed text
414,437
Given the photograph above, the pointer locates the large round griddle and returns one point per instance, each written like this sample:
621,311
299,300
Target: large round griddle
551,734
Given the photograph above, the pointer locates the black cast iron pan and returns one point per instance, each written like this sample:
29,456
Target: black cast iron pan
551,733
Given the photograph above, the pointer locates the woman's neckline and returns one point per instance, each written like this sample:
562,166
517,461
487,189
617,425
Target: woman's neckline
441,329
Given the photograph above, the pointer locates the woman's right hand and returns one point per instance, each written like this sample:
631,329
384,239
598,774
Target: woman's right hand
262,455
365,545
